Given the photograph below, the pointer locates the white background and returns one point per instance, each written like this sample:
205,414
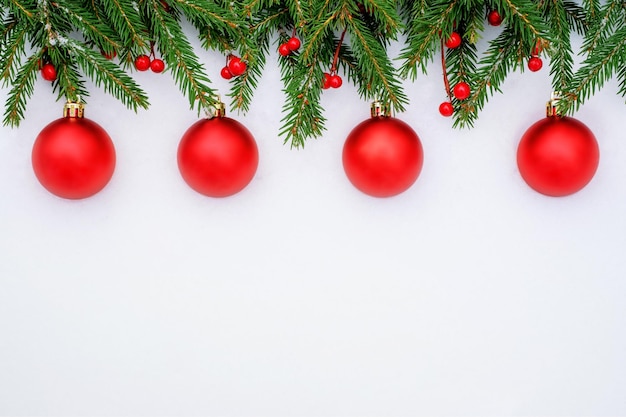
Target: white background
469,294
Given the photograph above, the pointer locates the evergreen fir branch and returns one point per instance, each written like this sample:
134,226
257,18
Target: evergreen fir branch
12,46
524,16
297,12
621,77
608,18
561,54
243,87
461,67
576,17
92,28
23,86
303,114
125,19
386,15
22,9
317,34
178,53
598,68
381,82
209,15
106,74
424,33
271,20
69,83
500,58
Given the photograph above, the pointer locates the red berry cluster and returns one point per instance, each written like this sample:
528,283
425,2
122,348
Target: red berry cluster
461,91
143,63
234,67
108,55
292,45
331,80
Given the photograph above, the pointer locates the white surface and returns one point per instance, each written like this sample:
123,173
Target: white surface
470,294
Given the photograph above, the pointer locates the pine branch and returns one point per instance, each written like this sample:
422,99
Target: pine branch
499,60
303,115
598,68
21,92
461,65
380,80
106,74
12,43
178,53
561,54
424,33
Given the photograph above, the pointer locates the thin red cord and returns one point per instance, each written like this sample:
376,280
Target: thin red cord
445,72
333,69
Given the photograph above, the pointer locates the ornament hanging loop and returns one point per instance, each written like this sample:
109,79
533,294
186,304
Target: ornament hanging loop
74,108
380,109
217,110
551,106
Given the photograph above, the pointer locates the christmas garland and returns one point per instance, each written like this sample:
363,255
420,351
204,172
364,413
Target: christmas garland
317,44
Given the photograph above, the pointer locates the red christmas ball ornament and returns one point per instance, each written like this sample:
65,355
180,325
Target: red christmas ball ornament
284,50
49,72
454,41
237,66
73,157
157,65
446,109
142,63
382,156
461,91
558,156
293,44
494,18
535,63
218,157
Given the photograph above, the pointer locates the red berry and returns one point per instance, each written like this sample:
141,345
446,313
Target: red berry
49,72
284,49
142,63
157,65
109,55
335,81
446,109
326,84
454,41
461,91
237,66
535,63
494,18
226,74
293,44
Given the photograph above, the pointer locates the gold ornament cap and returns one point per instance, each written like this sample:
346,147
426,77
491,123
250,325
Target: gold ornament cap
551,105
219,110
74,109
380,109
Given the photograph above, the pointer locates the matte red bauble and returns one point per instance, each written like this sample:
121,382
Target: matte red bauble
382,156
73,157
558,156
218,157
